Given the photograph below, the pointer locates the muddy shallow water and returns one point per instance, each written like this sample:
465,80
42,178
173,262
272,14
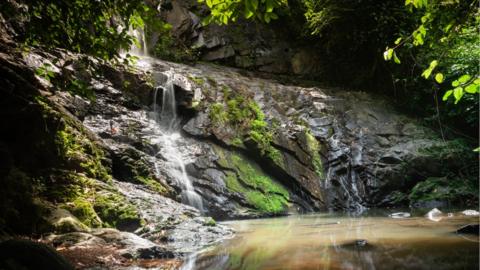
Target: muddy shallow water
334,241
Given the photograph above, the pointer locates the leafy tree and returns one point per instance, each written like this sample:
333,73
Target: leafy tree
225,11
98,28
449,30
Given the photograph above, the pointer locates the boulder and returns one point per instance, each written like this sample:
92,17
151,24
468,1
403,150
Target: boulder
25,254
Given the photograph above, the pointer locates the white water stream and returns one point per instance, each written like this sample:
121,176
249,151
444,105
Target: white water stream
168,137
165,130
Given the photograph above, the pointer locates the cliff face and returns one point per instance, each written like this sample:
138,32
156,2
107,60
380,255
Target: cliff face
274,48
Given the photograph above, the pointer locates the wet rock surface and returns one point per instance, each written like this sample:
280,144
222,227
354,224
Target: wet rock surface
365,149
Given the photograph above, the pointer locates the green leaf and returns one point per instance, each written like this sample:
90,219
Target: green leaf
455,83
398,41
476,149
458,93
387,55
464,78
427,72
447,94
395,58
254,4
248,13
269,6
472,88
439,77
267,17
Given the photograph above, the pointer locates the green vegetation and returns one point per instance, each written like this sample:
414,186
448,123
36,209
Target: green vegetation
259,190
225,11
169,48
115,211
210,222
82,208
152,183
453,191
243,114
197,80
314,151
83,26
74,146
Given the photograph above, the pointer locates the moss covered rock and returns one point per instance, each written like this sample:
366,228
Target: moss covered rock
260,190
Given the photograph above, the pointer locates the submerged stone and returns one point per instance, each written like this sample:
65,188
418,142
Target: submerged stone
470,213
469,229
358,245
400,215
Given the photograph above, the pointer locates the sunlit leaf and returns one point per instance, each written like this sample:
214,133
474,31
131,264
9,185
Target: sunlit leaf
395,58
458,93
447,94
464,78
472,88
387,55
439,77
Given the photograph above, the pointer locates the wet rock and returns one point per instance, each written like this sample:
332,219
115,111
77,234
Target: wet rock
470,213
220,53
469,229
357,245
28,255
400,215
62,221
434,214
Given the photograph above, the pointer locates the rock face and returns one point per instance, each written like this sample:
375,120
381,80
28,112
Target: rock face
332,148
268,48
55,154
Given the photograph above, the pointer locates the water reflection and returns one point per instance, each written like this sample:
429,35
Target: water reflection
339,242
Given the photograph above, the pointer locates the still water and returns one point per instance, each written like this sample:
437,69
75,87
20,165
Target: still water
332,241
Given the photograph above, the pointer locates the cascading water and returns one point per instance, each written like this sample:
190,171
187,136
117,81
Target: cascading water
168,139
141,48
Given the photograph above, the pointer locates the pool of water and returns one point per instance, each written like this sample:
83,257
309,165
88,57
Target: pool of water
339,241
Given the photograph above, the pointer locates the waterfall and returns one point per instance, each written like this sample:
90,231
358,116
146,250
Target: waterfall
141,48
169,138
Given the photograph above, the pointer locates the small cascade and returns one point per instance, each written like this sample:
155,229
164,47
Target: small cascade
141,48
168,139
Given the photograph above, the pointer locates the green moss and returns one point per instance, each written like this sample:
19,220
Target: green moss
76,148
267,203
244,115
197,80
455,191
314,151
83,209
238,142
259,190
233,184
152,183
217,114
115,211
65,186
210,222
